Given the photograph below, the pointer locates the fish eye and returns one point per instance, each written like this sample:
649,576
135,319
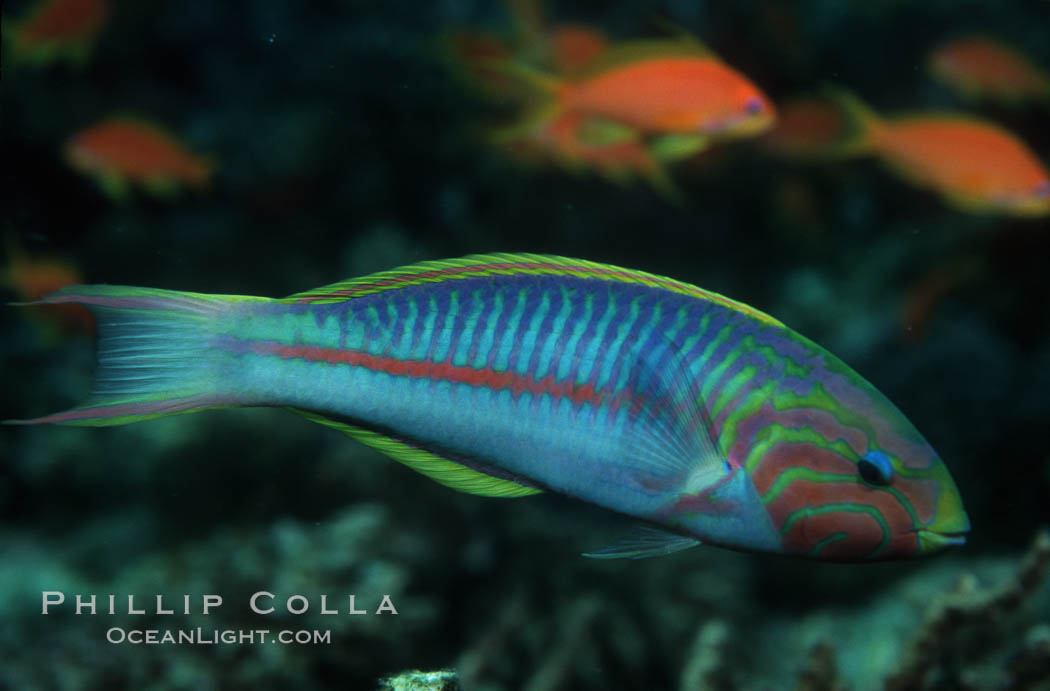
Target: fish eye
754,105
875,468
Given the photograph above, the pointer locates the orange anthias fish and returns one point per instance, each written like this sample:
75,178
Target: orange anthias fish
975,165
636,106
666,86
122,152
983,68
57,29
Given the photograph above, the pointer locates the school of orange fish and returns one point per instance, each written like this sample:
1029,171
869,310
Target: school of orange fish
627,109
624,109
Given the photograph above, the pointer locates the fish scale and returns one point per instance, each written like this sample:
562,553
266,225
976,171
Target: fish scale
505,375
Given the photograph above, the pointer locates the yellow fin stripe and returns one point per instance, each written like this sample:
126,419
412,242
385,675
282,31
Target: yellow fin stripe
482,265
441,470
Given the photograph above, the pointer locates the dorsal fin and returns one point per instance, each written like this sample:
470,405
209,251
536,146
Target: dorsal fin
506,264
636,50
441,470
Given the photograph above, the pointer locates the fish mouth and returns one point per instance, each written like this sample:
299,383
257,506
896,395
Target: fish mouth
936,540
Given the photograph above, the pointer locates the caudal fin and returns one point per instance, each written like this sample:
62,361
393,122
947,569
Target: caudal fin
155,354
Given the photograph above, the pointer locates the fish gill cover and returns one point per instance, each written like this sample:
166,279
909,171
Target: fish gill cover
263,149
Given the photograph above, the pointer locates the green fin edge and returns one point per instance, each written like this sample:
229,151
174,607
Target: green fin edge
509,264
440,470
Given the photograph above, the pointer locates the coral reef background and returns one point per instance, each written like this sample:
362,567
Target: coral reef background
344,146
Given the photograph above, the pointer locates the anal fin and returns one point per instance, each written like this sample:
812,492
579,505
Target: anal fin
439,469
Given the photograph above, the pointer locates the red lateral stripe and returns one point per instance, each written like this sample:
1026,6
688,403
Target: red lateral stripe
436,371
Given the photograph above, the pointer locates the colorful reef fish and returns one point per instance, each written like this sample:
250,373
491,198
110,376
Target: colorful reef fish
984,68
506,375
122,152
58,29
636,106
975,165
664,86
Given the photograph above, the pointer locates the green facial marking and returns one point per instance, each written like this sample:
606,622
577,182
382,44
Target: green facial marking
771,435
732,388
819,399
751,404
835,537
849,508
800,473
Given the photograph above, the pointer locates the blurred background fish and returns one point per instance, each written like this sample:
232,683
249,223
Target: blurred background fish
974,164
120,153
53,30
622,109
662,86
981,68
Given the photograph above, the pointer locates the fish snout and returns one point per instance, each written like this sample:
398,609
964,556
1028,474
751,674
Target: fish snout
947,530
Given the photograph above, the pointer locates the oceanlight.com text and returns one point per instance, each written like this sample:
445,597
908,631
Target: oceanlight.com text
201,636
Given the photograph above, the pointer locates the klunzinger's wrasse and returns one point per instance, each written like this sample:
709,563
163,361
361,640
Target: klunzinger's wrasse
506,375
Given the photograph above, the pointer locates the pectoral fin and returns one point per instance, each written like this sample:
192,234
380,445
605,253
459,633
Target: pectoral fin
669,444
